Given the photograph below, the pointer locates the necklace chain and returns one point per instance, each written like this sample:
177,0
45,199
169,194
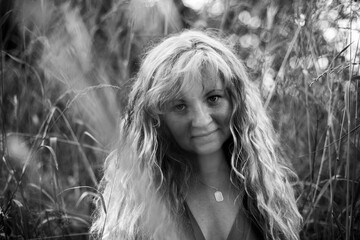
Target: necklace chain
218,194
216,189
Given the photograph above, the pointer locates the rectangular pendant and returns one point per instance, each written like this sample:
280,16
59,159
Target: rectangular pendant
218,196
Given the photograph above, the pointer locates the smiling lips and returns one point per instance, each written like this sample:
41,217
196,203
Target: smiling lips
203,134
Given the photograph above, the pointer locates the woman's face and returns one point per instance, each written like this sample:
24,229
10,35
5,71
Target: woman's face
199,119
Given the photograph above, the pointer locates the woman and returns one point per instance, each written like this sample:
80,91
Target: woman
197,157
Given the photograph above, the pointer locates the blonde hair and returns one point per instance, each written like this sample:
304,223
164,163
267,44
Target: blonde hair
145,179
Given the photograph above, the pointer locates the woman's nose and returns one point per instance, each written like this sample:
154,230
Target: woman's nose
201,116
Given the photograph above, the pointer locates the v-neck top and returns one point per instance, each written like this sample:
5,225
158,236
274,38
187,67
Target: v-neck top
244,230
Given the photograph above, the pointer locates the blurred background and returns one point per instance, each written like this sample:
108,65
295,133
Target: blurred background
64,74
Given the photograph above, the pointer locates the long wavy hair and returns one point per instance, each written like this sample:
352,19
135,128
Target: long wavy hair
146,179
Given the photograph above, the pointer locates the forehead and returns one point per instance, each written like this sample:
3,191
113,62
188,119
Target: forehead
203,83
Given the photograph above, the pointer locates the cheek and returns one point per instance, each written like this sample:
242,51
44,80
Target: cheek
174,133
224,121
224,115
175,127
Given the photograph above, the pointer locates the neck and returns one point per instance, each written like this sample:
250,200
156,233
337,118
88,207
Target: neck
212,168
211,179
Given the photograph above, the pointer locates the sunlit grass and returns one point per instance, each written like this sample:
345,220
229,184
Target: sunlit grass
65,84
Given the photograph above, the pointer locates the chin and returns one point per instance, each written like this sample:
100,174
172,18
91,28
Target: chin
207,150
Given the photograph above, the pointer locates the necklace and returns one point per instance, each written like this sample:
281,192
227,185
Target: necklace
217,194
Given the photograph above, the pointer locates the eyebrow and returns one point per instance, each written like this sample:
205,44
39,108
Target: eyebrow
177,100
215,90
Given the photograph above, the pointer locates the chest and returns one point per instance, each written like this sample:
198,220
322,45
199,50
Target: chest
214,219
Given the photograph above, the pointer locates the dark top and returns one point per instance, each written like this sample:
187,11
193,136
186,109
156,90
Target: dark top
244,230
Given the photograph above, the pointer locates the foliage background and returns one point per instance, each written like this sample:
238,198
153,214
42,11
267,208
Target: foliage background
65,67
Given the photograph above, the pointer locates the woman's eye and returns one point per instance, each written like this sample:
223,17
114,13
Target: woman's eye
214,99
180,107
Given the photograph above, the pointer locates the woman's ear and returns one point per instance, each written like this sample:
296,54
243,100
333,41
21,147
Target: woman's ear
156,123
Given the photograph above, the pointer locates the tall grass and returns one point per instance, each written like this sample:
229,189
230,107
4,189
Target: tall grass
65,67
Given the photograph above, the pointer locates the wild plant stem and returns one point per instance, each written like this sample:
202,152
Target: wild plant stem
3,131
347,173
321,165
280,74
330,208
347,108
225,15
356,139
308,122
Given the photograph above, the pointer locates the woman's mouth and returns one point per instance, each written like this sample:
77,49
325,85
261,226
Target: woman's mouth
205,134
